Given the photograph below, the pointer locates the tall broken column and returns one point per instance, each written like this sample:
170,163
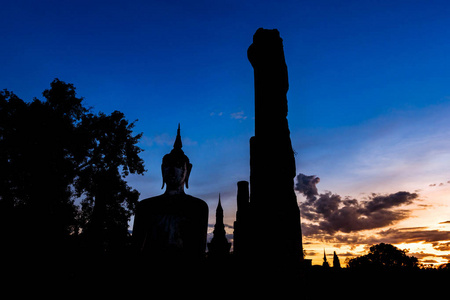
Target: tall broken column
276,234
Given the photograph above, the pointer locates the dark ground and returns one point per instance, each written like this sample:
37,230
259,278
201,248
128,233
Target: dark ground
111,276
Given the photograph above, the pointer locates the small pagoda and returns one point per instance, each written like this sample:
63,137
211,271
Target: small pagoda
219,247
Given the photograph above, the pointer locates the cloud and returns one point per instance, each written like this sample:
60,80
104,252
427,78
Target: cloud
421,255
347,221
440,184
238,115
229,226
330,213
445,246
307,185
346,254
429,261
414,235
225,225
384,202
352,240
440,240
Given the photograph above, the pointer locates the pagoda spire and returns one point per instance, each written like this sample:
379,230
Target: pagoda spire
336,262
219,208
325,262
219,247
178,144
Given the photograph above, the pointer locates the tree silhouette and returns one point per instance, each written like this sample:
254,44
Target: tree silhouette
384,257
38,166
52,151
108,200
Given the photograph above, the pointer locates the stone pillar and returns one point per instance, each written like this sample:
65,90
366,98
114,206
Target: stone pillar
276,231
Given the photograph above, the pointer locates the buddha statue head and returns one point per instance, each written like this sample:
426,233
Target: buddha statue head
176,168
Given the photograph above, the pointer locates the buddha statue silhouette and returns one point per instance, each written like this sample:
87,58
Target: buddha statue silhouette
172,227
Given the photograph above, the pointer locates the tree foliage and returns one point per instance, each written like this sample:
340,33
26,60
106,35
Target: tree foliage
55,151
382,257
111,156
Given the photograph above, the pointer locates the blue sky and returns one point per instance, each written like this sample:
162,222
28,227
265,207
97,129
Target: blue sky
369,94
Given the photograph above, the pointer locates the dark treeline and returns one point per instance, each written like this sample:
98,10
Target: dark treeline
62,187
65,207
384,257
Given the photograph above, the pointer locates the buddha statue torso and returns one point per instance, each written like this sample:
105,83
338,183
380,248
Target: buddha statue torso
172,226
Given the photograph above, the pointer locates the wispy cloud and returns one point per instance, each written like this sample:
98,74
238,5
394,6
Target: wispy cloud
414,235
225,225
440,184
437,239
238,115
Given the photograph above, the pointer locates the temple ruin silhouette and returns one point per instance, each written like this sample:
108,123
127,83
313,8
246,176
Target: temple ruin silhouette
336,261
267,226
171,228
325,263
219,247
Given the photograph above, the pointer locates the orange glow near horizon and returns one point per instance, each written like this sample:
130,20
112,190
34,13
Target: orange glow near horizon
427,216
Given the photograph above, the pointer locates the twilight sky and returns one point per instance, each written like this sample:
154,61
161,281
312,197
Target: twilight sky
369,101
